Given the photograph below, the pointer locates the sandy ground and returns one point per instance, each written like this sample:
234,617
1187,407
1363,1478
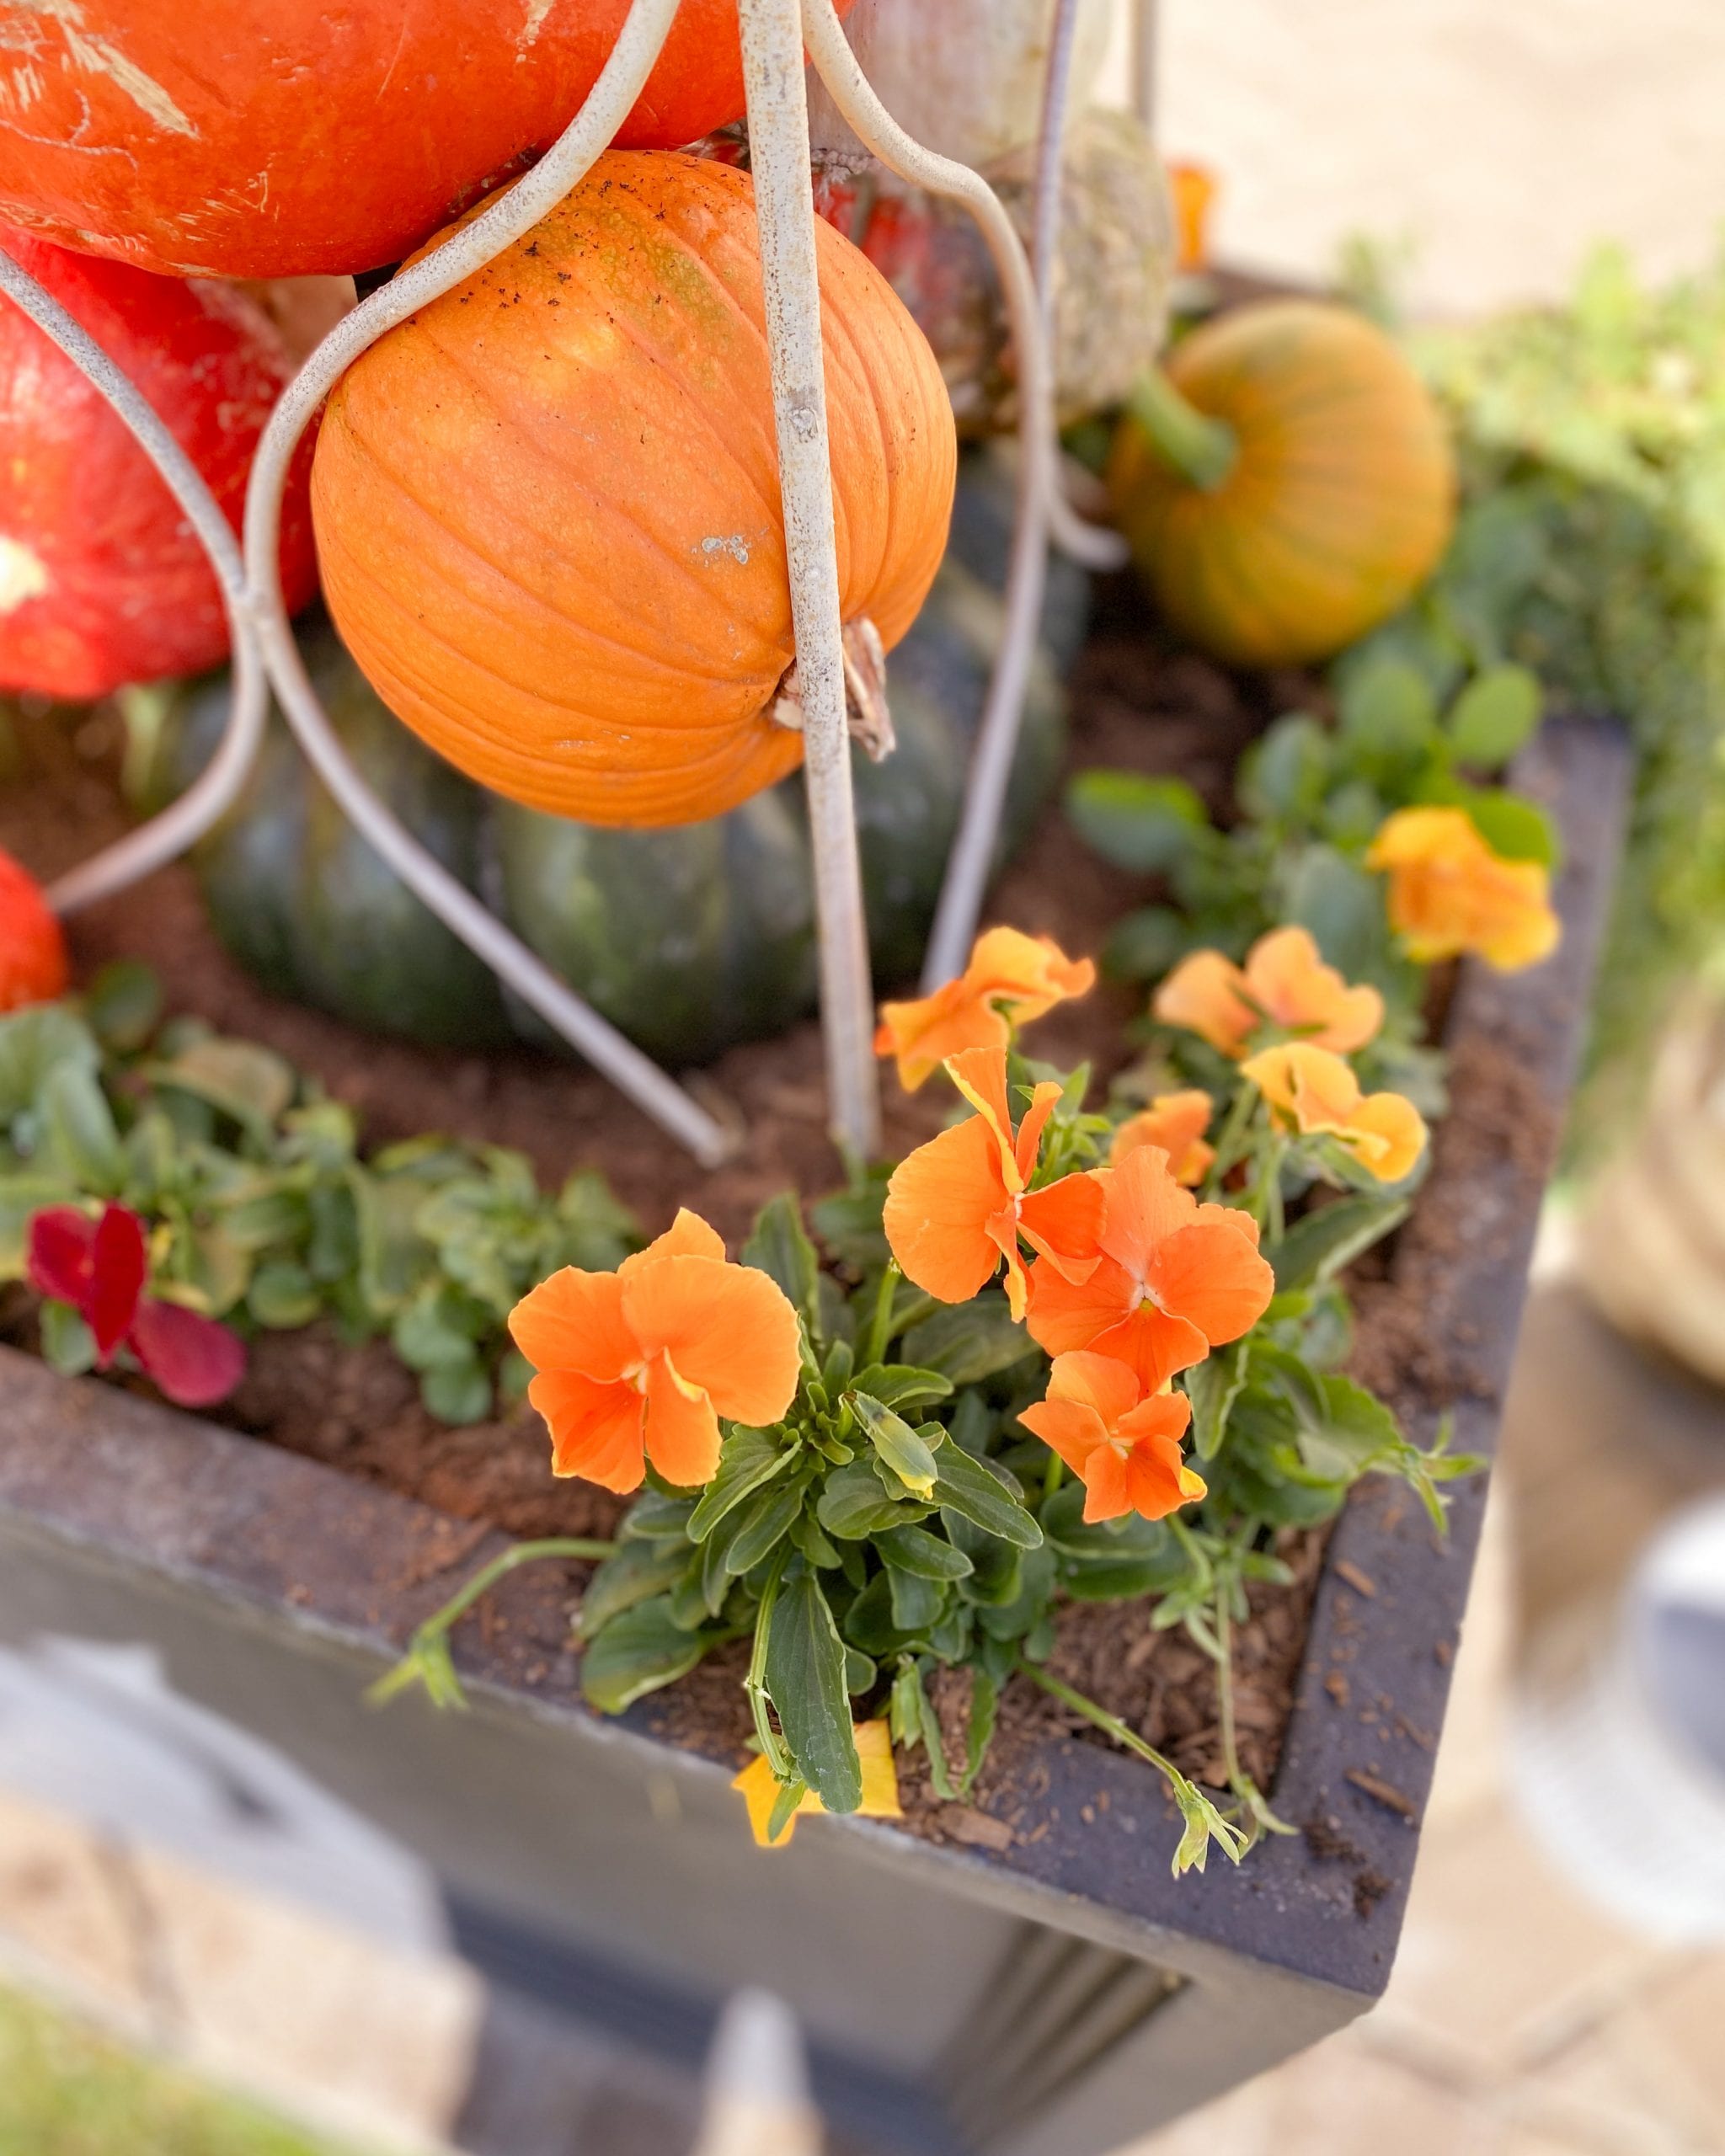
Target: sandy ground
1499,143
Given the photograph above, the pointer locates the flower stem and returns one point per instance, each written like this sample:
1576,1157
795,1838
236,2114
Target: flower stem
1110,1724
754,1684
1239,1780
426,1656
1203,450
1231,1140
881,1329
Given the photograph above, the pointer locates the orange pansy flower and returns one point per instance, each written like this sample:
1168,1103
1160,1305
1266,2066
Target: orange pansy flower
1284,984
958,1205
759,1791
1122,1442
1172,1279
639,1364
1315,1092
1449,893
1175,1122
1011,979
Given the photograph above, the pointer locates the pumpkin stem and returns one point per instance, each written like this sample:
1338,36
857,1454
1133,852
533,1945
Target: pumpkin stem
866,713
1200,449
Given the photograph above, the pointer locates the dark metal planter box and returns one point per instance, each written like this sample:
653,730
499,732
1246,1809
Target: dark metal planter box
1053,1999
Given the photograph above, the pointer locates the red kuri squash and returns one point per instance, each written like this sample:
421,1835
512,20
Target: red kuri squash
547,505
101,579
274,138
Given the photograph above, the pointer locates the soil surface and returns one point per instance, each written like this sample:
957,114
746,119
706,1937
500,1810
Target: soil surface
1135,704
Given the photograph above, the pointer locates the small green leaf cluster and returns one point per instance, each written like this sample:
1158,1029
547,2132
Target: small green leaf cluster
261,1210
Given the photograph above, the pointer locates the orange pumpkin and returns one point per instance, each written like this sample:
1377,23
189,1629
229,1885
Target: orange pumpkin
1284,484
548,508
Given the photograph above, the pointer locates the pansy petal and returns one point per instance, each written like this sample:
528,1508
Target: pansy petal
1108,1492
189,1359
1158,1344
880,1777
758,1787
730,1330
682,1430
1211,1276
1071,1427
57,1260
1398,1125
938,1205
1177,1123
574,1321
118,1266
687,1236
923,1035
980,1076
1145,1207
1110,1387
1159,1418
1028,1143
1206,994
1288,979
1063,1220
1158,1482
1066,1316
596,1428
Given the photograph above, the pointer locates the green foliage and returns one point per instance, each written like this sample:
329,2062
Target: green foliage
261,1209
1591,549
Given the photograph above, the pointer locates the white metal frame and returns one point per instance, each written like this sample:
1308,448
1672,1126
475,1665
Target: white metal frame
774,34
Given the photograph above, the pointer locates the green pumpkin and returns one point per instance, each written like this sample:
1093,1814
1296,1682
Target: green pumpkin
690,939
295,894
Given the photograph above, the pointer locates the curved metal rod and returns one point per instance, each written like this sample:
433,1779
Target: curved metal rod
1092,545
153,845
972,853
572,155
784,209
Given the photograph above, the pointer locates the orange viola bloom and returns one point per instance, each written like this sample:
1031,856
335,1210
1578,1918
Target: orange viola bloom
958,1205
1314,1092
1172,1278
759,1790
1175,1122
1122,1442
639,1364
1011,979
1284,984
1449,893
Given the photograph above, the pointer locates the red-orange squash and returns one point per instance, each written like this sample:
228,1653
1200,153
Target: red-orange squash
101,579
1285,484
548,506
278,138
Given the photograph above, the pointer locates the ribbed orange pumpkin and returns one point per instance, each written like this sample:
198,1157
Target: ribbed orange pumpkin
1285,484
547,507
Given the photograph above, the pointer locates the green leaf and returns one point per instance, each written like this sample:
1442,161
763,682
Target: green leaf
849,1222
1343,907
68,1345
458,1396
1323,1242
394,1256
853,1505
928,1732
1388,714
1352,1433
917,1602
1495,717
747,1459
283,1296
659,1517
40,1039
860,1673
428,1335
240,1079
1213,1386
639,1571
985,1706
79,1129
762,1523
910,1456
978,1490
805,1677
779,1246
914,1550
1281,779
969,1342
1143,824
639,1651
1145,944
124,1004
1514,826
897,1385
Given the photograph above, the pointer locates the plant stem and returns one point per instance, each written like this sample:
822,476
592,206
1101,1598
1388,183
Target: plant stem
754,1684
880,1328
1111,1725
487,1576
1243,1786
1053,1474
1229,1139
1203,450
